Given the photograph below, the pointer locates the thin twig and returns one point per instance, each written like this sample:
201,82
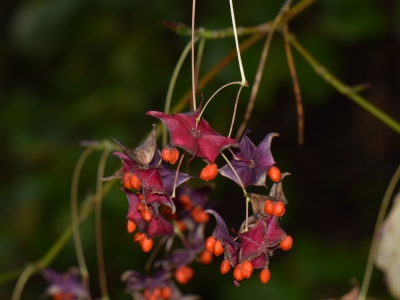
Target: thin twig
213,95
172,83
375,241
296,86
260,69
342,87
74,217
193,68
244,81
199,57
234,111
23,278
215,70
99,237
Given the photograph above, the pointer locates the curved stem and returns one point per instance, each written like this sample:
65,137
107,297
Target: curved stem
176,175
375,241
244,81
200,53
260,69
99,237
213,95
172,83
74,217
215,70
342,87
243,188
23,278
234,111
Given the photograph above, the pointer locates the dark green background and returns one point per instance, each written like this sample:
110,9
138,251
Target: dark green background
75,70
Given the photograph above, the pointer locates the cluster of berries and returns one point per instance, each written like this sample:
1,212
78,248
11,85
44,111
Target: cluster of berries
150,184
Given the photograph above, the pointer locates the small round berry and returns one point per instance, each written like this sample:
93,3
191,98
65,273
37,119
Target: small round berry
130,226
265,275
140,236
269,207
126,182
140,196
206,257
218,249
183,274
146,215
199,216
247,269
225,267
141,206
174,156
166,154
286,243
210,244
209,172
185,201
135,182
166,292
275,174
279,209
146,244
237,273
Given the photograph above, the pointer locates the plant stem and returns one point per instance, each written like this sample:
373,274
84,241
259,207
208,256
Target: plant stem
215,70
213,95
296,86
99,237
342,87
243,189
171,86
193,68
261,65
244,81
75,217
234,111
375,241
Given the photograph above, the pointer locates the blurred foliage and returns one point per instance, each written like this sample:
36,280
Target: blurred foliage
75,70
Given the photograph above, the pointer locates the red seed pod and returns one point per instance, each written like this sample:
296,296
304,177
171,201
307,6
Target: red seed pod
199,216
247,269
206,257
237,273
275,174
210,244
265,275
140,236
135,182
156,293
225,267
140,196
174,156
279,209
183,274
269,207
286,243
218,249
146,244
166,292
126,182
130,226
166,154
209,172
146,215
